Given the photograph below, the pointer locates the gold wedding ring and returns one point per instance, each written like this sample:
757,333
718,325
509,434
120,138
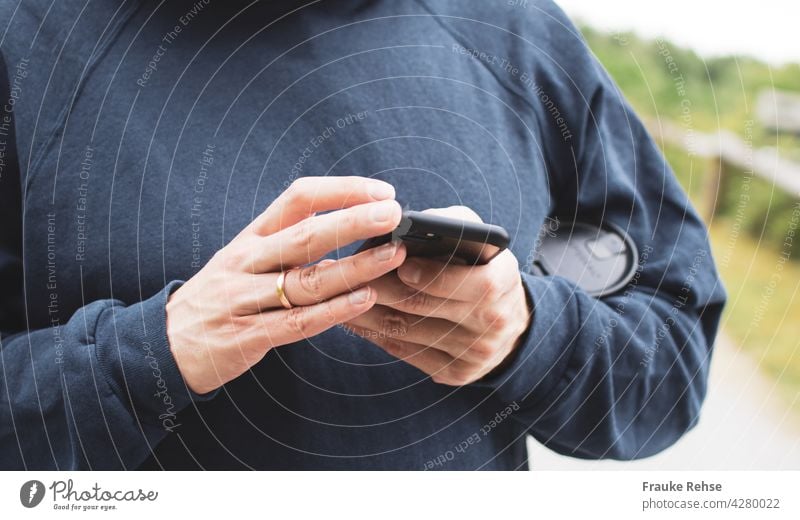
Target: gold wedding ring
281,291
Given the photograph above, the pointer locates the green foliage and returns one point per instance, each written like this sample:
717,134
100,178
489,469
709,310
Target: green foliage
689,170
764,211
761,311
662,80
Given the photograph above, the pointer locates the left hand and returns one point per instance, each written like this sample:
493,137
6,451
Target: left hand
456,323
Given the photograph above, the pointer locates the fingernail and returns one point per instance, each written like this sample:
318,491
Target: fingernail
380,191
383,211
360,296
386,252
410,273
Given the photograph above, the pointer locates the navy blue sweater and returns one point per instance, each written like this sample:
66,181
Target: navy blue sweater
148,134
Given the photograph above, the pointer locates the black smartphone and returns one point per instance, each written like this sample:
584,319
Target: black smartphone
434,236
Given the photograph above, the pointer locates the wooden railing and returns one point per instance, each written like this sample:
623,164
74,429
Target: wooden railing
726,151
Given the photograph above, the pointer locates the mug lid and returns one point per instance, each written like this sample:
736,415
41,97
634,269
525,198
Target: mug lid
600,259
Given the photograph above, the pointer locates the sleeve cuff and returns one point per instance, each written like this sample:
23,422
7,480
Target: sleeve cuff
133,352
542,357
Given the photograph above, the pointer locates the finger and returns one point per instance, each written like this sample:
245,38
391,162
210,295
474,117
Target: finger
431,361
439,334
473,316
289,326
314,237
459,212
318,282
461,282
315,283
396,295
466,353
309,195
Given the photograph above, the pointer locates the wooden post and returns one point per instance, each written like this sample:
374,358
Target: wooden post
713,189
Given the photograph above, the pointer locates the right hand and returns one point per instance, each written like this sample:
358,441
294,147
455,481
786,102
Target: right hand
226,318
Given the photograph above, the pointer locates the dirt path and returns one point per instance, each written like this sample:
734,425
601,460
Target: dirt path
745,424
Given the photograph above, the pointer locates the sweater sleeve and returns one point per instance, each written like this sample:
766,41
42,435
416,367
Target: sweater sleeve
98,392
623,376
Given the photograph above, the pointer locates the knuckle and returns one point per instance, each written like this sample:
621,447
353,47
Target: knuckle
500,323
303,237
356,264
231,258
493,319
290,197
394,347
241,327
482,349
359,269
393,325
418,303
297,320
348,220
236,324
311,282
296,192
489,287
237,294
488,315
329,313
459,375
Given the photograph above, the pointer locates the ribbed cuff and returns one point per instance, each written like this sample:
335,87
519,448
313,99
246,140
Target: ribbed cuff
544,351
133,351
